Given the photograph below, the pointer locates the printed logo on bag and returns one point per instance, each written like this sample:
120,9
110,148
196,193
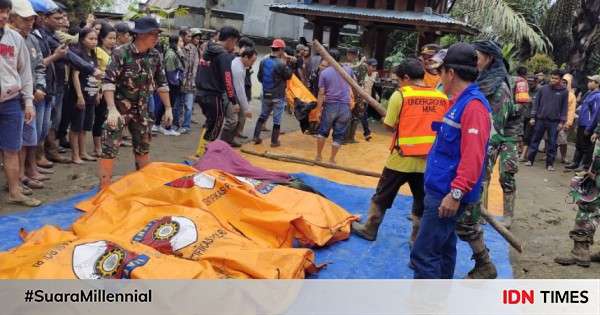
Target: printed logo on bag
169,234
199,180
262,187
105,260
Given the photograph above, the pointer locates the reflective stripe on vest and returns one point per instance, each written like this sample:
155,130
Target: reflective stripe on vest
421,107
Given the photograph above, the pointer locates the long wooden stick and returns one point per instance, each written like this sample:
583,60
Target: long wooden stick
506,234
364,95
299,160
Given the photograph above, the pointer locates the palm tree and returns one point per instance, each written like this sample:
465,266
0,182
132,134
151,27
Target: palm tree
511,21
586,36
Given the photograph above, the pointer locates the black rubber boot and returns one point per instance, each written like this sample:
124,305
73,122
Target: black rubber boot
576,160
580,255
369,229
275,136
257,130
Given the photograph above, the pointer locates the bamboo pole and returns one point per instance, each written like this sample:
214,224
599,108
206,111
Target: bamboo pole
364,95
299,160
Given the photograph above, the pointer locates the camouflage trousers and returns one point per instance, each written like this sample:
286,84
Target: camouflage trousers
140,128
587,219
468,227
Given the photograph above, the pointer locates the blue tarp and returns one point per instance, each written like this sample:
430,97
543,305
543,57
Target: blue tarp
387,258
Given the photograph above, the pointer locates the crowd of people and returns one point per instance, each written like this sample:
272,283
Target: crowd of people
455,114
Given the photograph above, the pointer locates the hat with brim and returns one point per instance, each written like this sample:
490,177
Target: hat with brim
45,7
145,25
595,78
458,56
22,8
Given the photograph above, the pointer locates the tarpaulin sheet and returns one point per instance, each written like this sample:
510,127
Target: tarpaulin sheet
387,258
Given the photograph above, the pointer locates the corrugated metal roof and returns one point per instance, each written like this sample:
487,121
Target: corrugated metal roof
433,20
167,4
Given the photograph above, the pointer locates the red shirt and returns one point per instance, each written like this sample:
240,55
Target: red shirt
475,133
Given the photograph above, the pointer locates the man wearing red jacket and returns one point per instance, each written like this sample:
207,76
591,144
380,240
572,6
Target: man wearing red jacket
455,166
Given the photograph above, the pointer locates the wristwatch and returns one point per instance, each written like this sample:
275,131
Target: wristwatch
456,194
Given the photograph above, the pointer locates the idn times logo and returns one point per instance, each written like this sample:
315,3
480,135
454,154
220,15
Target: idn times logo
512,296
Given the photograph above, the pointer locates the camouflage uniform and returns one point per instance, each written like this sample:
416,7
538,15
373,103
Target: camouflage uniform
503,145
134,77
359,70
586,196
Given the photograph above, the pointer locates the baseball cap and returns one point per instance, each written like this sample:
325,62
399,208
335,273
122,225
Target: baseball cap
23,8
301,47
278,43
430,49
595,78
353,50
372,62
457,56
44,6
196,31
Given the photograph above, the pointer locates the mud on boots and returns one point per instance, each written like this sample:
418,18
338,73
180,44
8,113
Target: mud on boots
369,229
580,255
484,268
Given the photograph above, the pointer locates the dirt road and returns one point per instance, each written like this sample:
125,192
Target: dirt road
543,217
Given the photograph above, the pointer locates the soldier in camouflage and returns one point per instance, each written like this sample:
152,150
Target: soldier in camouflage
136,70
496,84
585,191
360,71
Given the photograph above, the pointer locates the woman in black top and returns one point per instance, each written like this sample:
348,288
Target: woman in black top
85,95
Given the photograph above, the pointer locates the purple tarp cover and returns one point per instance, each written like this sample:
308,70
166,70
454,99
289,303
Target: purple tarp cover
219,155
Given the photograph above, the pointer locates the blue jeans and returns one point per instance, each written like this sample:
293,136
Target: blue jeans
336,116
541,127
186,101
434,252
12,119
43,112
151,107
275,105
57,109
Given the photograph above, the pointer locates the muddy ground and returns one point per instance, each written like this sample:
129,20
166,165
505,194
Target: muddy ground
543,216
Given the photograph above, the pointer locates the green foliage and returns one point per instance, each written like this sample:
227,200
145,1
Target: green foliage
540,63
504,21
79,9
134,12
510,54
401,44
448,40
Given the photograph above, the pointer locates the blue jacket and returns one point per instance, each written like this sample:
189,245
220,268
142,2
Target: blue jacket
588,112
444,157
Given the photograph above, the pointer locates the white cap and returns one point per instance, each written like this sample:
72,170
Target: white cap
22,8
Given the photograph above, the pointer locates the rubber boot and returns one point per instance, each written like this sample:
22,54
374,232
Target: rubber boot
369,229
580,255
141,161
509,209
52,151
257,130
201,148
275,136
484,268
416,223
40,157
595,257
229,137
351,132
105,169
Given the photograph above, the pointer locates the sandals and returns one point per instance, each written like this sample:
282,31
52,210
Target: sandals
40,178
88,158
24,190
26,201
45,171
32,183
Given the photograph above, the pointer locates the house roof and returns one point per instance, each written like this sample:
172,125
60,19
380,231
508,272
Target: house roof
167,4
422,20
118,7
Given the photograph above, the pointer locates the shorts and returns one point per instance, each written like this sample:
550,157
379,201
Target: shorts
83,120
11,125
30,136
335,116
562,137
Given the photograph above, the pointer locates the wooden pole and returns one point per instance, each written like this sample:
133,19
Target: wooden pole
506,234
364,95
299,160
